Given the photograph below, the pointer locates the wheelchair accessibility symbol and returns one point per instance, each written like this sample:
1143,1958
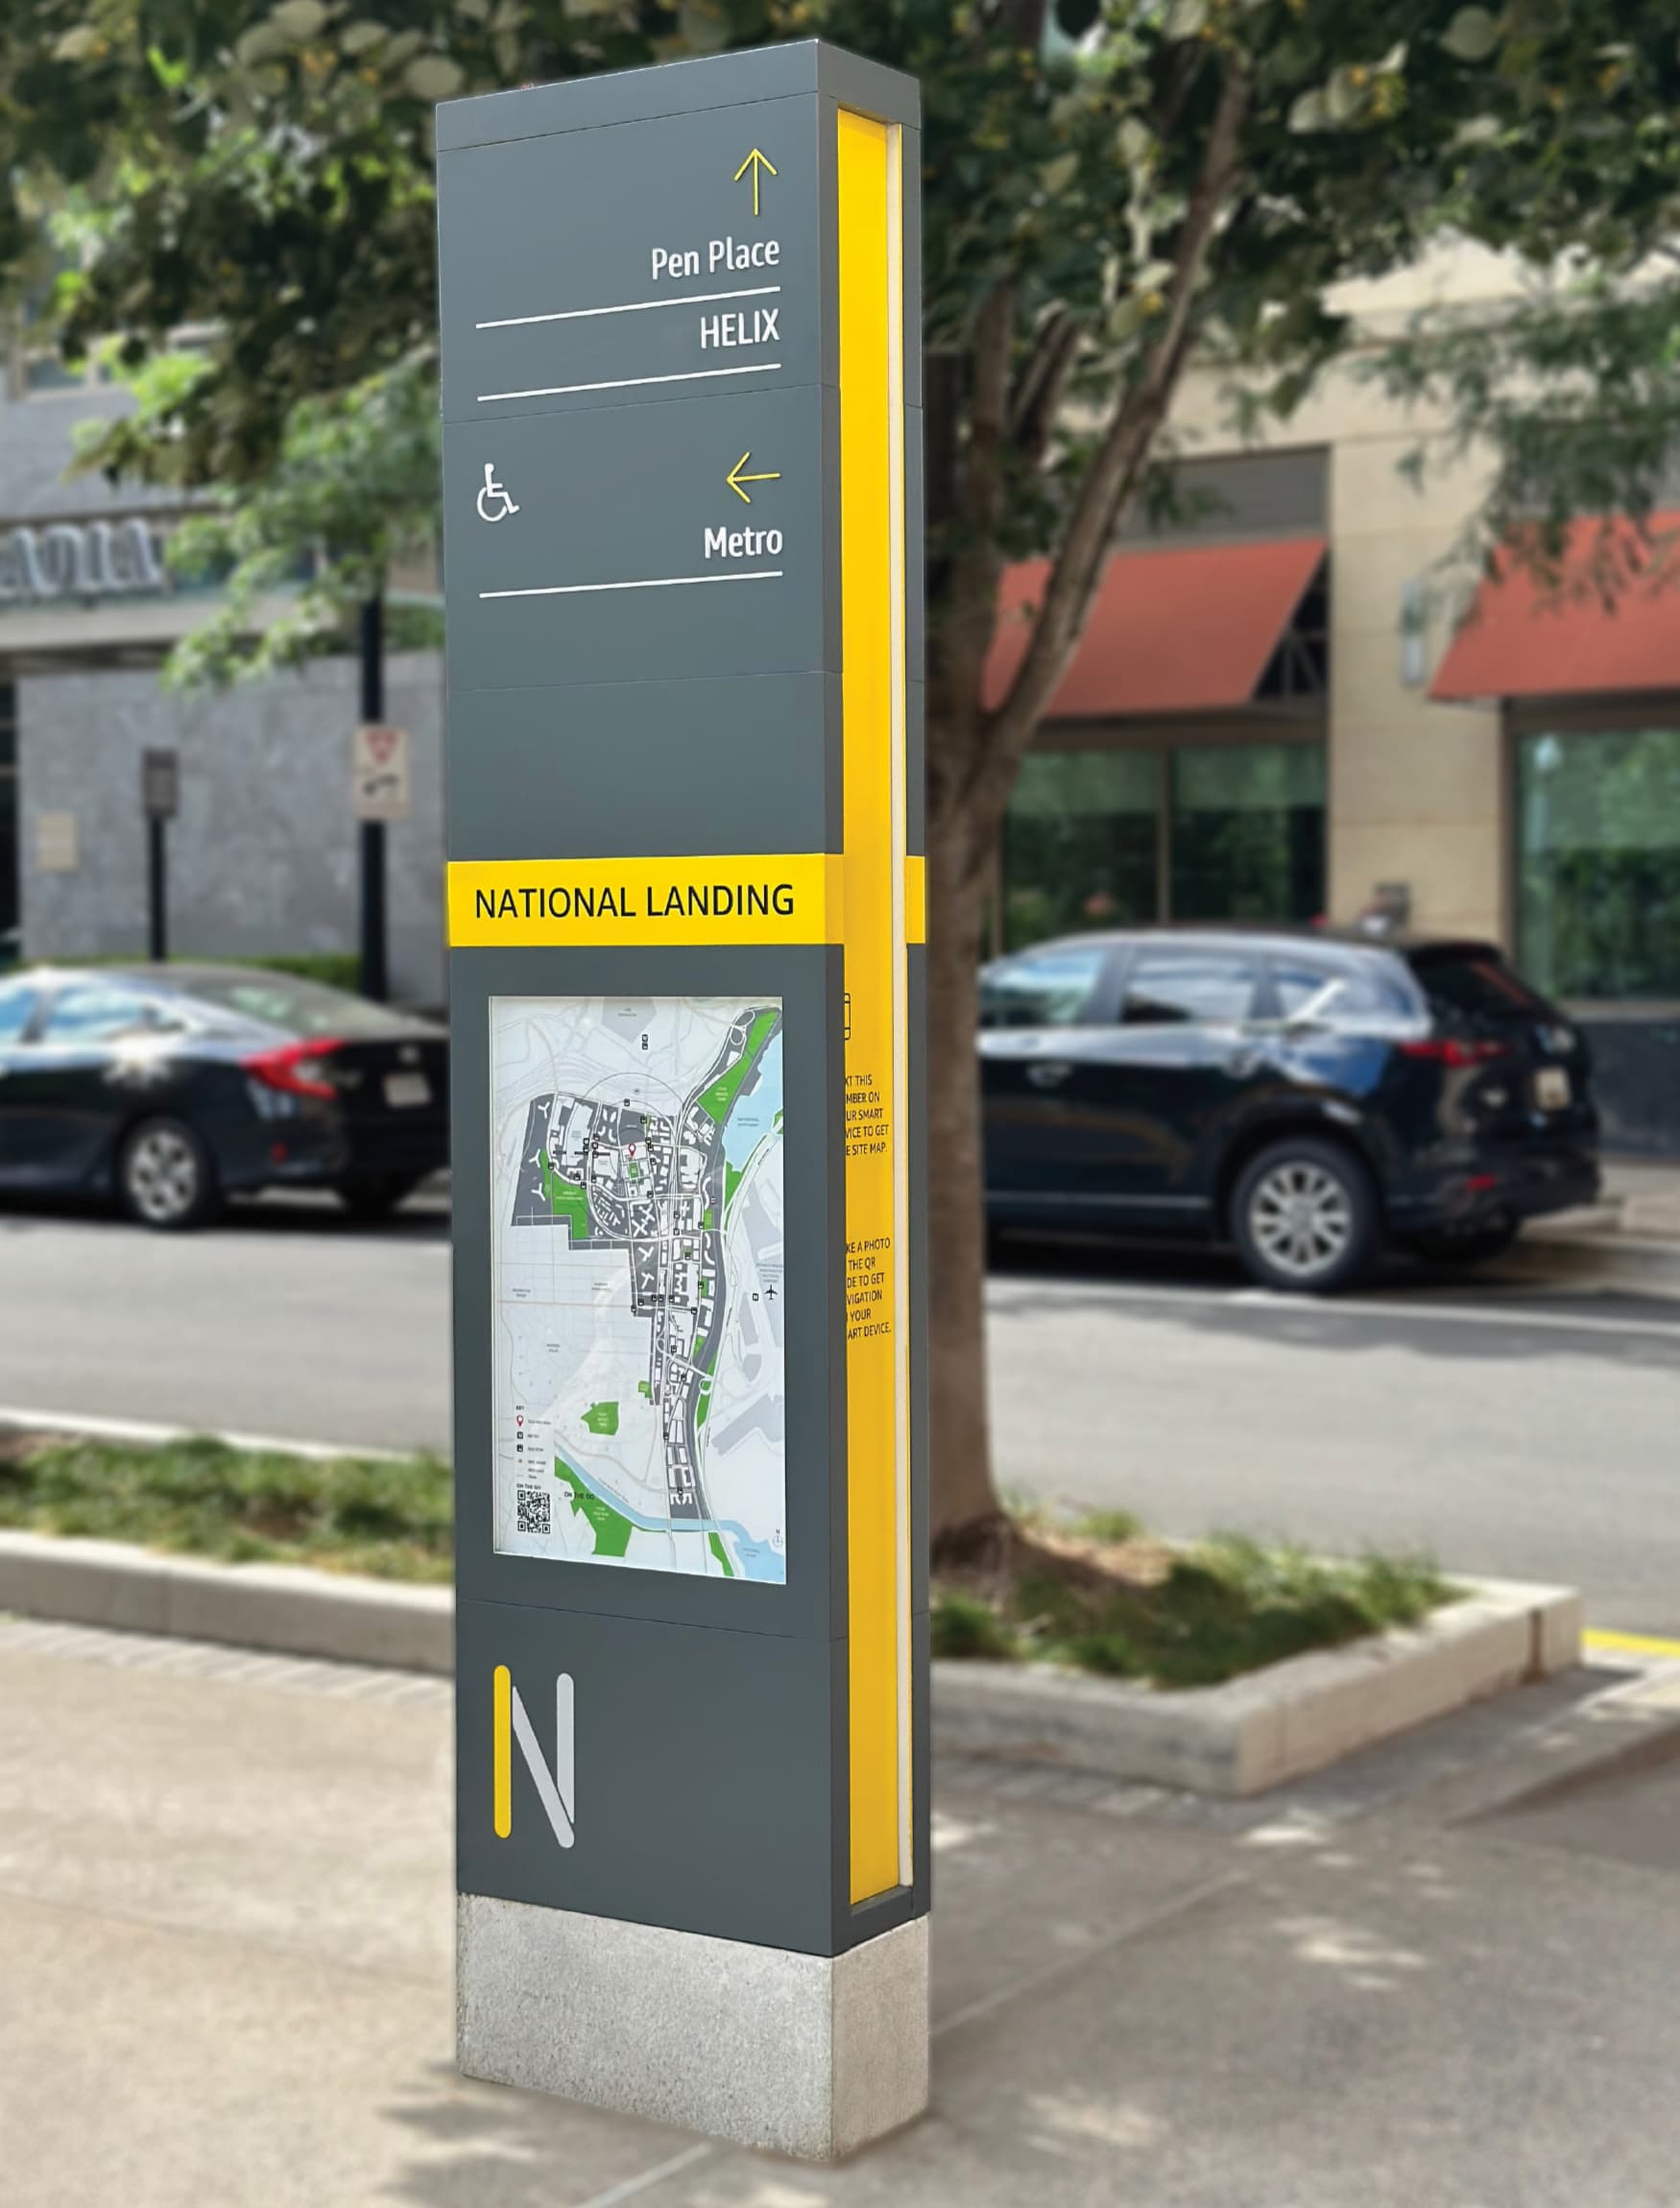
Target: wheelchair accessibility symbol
494,502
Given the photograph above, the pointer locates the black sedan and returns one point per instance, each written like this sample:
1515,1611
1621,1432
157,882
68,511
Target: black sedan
171,1087
1310,1099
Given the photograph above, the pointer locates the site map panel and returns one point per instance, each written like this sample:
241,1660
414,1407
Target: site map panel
638,1377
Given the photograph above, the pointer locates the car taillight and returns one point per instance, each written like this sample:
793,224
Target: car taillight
297,1068
1449,1050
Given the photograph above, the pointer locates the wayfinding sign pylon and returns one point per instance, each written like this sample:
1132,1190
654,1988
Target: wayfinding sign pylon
682,414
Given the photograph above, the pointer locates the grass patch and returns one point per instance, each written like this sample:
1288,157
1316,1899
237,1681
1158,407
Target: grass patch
1103,1597
391,1518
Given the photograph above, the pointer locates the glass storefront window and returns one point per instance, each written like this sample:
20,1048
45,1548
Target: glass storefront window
1245,832
1079,847
1598,863
1248,832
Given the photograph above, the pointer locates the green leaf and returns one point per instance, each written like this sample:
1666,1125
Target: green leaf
702,25
1472,35
1137,141
1343,96
363,36
261,43
1056,175
77,44
299,20
1184,18
434,77
1309,114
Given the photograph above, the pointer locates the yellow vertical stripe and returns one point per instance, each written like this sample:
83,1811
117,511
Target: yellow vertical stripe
502,1735
872,644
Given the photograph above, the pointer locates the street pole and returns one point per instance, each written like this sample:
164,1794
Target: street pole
375,978
157,888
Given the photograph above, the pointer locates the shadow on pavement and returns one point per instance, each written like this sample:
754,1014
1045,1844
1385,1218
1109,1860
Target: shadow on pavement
1484,1315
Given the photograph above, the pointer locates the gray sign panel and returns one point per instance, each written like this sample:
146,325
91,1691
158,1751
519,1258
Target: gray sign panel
641,262
600,757
160,785
641,542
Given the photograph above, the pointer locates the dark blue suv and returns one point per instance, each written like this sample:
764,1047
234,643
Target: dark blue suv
1310,1098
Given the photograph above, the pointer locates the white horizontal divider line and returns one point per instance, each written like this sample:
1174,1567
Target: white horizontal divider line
632,306
641,583
627,382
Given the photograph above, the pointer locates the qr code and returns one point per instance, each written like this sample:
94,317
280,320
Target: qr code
533,1510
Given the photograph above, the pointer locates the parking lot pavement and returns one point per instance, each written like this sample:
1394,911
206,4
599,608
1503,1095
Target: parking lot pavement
1464,1415
1519,1425
225,1913
289,1319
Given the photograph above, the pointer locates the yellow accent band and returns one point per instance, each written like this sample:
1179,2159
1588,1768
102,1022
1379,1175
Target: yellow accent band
1631,1643
777,898
915,900
502,1735
872,807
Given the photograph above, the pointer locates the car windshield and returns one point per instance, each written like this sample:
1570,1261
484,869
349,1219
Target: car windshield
1472,980
302,1007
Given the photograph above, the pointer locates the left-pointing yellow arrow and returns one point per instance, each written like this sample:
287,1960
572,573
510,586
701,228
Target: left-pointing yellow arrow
760,164
735,478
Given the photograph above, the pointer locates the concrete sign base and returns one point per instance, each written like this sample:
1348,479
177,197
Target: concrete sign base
806,2055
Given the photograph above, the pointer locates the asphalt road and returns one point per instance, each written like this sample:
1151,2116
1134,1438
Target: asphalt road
1524,1424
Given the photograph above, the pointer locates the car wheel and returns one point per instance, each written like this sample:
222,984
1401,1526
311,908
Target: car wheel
1305,1217
1469,1245
376,1196
166,1177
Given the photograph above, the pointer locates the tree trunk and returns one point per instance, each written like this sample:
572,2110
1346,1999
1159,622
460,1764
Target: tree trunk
964,1502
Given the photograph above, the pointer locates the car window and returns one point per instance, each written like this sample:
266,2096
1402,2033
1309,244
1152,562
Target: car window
1042,988
93,1013
1186,987
18,1000
1328,988
1474,978
303,1007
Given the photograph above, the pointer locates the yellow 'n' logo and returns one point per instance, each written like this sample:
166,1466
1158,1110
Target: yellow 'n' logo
556,1789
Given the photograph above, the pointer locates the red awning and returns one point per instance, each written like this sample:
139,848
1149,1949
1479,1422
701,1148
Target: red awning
1181,632
1522,639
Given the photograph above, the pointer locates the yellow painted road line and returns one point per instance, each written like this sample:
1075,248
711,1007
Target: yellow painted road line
1632,1644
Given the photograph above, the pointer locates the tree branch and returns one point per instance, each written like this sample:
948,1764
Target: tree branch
1112,477
1038,396
972,590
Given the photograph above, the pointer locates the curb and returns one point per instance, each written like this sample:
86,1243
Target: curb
1256,1731
281,1607
150,1433
1242,1737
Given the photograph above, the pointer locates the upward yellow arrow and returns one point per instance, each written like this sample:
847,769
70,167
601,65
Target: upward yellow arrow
755,161
735,478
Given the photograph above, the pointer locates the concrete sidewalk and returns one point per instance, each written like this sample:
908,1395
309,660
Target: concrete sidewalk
224,1969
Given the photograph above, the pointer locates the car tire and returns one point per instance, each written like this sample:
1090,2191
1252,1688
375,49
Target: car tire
1469,1245
1305,1217
166,1177
377,1195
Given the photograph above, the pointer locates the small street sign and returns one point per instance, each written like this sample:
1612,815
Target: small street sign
160,785
380,785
